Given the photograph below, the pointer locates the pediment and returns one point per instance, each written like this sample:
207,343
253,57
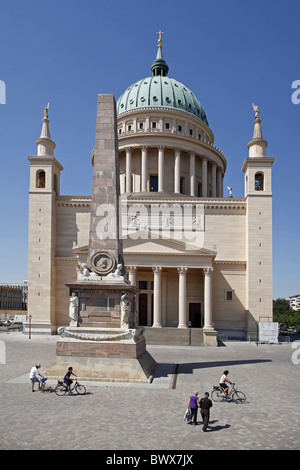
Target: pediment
157,246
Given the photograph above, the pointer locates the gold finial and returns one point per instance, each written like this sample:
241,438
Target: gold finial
159,41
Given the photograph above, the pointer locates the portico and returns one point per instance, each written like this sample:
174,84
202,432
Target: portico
175,290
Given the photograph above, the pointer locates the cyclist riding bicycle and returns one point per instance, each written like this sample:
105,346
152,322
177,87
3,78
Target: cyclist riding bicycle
223,382
67,379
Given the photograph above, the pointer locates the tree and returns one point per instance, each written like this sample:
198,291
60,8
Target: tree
284,315
280,306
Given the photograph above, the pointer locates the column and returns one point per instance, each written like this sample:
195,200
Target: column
157,297
182,297
204,177
208,298
192,174
144,168
219,182
177,172
161,167
128,170
213,180
131,275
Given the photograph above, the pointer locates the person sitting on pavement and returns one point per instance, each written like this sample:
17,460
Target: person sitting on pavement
224,381
33,376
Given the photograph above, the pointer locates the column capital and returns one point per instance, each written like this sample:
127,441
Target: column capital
182,270
131,269
156,269
144,147
128,149
208,271
161,147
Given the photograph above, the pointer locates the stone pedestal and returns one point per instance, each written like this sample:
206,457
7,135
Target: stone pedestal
210,337
100,302
110,355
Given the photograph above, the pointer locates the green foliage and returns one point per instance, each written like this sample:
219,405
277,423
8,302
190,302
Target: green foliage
284,315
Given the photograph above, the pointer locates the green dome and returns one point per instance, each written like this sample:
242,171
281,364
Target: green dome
160,91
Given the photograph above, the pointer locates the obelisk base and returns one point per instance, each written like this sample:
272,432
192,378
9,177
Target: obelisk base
106,361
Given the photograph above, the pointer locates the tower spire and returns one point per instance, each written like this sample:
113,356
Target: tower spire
159,66
45,145
257,146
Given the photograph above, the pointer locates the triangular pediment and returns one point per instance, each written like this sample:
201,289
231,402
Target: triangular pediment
156,246
144,244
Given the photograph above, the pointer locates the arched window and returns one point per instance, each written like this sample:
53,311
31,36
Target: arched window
259,182
41,179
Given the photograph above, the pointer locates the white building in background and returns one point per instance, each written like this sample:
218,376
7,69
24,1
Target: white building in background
199,258
294,301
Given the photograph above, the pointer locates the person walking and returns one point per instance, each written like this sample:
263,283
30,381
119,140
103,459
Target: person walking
193,405
205,405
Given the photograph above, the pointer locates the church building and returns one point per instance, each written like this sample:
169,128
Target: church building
202,261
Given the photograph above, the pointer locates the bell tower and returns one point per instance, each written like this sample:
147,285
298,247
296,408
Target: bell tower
257,169
44,187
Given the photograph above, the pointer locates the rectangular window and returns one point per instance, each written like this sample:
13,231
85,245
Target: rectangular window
143,285
167,125
154,183
182,185
141,125
229,295
153,125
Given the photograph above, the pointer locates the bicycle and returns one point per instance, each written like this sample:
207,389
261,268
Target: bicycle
43,381
62,388
235,395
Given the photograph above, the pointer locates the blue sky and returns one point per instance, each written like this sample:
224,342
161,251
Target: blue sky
229,53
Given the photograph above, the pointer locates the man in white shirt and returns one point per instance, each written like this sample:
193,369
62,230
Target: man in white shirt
33,376
223,382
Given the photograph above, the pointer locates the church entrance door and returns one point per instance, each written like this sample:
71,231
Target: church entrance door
195,315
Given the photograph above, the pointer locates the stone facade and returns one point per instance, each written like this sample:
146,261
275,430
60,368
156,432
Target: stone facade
198,258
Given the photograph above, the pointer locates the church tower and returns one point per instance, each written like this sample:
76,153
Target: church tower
44,187
257,169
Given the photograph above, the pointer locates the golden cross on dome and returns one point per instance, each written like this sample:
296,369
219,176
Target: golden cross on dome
160,32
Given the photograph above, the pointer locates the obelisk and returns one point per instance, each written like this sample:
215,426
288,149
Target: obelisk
105,242
105,343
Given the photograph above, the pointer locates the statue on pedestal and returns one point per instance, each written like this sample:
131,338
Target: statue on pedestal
73,309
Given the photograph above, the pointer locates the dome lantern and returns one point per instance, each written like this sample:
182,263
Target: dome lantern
159,66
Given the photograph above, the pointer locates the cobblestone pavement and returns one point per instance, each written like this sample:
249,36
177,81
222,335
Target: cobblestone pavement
150,416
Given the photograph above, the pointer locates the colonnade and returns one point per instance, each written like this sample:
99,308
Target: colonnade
182,298
216,172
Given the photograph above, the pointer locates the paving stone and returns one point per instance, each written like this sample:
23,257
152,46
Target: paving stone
150,416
